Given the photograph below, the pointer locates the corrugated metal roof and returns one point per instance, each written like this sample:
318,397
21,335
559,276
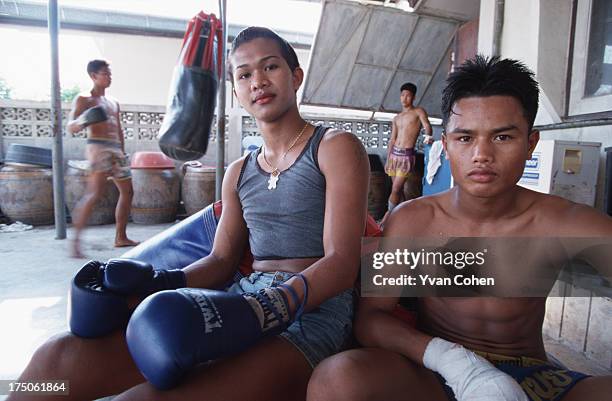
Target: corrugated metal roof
362,54
461,10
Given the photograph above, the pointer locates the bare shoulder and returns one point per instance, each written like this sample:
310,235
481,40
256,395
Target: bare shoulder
573,219
413,217
229,194
421,111
83,96
83,99
342,156
340,147
334,135
234,168
80,103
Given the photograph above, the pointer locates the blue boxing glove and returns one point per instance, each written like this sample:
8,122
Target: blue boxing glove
133,277
170,332
98,303
93,311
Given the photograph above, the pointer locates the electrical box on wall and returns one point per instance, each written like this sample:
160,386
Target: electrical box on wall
565,168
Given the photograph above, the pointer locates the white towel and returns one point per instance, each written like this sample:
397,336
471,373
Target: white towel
434,162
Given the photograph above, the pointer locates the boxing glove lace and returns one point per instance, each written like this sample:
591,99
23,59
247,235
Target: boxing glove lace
98,302
172,331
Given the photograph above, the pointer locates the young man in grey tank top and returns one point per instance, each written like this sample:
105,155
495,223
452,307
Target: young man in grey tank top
266,76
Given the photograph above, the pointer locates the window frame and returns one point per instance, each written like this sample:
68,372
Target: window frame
579,103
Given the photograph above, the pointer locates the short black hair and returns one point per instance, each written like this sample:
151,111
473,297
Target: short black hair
482,77
254,32
409,86
96,65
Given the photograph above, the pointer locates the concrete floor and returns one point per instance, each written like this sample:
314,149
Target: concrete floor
35,272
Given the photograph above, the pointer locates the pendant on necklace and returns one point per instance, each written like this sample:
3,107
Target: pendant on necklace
273,179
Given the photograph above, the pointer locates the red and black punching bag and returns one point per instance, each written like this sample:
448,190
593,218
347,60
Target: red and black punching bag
193,91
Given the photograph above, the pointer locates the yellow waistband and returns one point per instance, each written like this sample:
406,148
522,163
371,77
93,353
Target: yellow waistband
523,361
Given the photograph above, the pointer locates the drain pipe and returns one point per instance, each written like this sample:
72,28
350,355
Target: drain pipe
56,119
575,124
498,26
221,109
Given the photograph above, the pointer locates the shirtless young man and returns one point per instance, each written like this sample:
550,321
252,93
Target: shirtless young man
105,152
489,107
300,203
404,133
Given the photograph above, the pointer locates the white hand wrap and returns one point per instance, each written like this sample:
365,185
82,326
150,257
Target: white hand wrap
470,376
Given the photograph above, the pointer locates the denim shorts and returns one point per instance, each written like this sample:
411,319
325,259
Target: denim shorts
322,332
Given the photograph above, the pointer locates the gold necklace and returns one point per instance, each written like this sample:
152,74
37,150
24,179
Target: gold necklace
275,174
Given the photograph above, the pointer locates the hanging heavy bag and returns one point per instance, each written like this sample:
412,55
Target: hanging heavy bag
193,91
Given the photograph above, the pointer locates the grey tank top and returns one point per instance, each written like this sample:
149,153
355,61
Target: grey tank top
286,222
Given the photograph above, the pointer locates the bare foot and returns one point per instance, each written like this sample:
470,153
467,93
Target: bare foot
76,250
119,243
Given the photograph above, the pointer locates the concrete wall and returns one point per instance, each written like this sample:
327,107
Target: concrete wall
538,32
520,35
486,26
28,123
582,324
553,53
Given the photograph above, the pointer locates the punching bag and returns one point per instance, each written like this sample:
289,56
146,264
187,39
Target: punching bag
193,92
